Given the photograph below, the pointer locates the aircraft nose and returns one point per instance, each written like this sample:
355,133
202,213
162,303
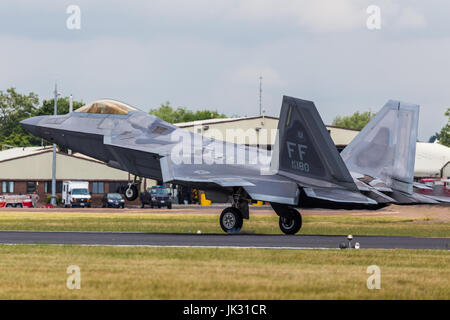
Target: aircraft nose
31,124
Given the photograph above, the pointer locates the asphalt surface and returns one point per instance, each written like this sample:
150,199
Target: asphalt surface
207,240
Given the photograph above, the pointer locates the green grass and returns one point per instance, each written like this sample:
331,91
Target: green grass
206,223
39,272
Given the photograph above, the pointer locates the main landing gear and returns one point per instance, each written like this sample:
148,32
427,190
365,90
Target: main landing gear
232,218
290,220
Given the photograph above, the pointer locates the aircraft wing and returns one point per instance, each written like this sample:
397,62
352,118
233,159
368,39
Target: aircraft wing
254,179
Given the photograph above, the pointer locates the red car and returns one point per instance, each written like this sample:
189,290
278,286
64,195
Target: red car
16,201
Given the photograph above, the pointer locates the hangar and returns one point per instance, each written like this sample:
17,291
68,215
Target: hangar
254,126
29,170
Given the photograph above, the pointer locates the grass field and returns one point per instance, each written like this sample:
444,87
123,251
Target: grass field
207,223
39,272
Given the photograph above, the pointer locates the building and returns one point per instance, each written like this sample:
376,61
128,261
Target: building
432,160
261,130
29,170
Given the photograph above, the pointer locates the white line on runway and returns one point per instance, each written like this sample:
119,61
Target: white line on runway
168,246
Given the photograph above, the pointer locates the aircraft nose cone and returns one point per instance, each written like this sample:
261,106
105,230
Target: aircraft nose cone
31,124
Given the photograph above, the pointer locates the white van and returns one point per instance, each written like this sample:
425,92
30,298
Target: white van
76,194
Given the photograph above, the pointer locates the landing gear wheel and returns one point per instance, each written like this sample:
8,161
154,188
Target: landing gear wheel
231,220
291,223
131,193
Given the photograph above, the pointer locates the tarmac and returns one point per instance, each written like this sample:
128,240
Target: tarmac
219,240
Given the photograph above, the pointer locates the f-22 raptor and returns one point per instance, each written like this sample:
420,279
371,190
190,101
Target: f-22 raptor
304,169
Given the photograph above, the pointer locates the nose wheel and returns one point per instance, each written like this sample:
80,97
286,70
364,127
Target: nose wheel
131,193
231,220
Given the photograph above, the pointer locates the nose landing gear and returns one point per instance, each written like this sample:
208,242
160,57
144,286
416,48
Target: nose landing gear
131,193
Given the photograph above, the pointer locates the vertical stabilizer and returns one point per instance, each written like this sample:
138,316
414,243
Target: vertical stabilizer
304,150
385,149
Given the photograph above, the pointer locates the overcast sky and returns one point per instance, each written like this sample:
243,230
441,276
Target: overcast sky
210,54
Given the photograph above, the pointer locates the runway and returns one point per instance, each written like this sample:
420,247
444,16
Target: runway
213,240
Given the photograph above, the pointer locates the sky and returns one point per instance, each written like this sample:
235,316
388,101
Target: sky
209,54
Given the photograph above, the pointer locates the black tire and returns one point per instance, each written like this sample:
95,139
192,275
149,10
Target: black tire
131,193
159,206
169,206
142,206
231,220
291,223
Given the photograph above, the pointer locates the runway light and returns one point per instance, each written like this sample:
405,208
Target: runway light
199,232
350,238
357,245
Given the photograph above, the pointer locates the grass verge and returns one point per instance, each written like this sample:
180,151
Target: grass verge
184,223
39,272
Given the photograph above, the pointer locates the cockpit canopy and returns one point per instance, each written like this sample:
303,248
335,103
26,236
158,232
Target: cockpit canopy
106,107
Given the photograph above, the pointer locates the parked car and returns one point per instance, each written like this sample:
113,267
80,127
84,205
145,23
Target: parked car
156,196
113,200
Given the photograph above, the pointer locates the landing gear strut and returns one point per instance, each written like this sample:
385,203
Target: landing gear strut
290,220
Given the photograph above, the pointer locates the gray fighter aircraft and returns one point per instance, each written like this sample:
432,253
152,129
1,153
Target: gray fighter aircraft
303,169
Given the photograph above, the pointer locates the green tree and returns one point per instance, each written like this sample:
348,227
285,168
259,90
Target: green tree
63,106
444,136
356,121
171,115
15,107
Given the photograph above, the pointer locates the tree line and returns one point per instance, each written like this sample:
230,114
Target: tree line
359,120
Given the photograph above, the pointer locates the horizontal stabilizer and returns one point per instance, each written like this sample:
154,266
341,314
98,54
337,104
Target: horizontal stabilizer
414,198
338,195
421,186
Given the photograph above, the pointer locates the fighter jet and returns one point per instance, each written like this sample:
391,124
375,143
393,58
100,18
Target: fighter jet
304,168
